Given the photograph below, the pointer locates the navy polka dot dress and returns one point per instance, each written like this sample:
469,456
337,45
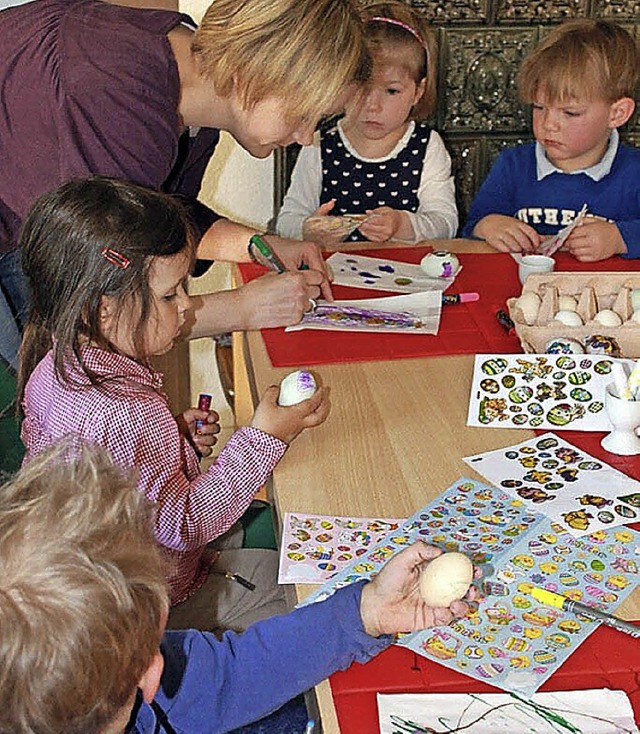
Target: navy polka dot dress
358,185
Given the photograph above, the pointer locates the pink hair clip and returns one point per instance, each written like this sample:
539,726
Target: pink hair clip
400,24
115,258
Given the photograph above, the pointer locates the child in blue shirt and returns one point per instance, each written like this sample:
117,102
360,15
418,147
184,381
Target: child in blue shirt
580,80
83,607
380,158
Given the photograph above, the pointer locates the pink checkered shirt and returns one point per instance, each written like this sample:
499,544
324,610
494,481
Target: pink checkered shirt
130,416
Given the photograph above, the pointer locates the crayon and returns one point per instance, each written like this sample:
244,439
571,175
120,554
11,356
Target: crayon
204,403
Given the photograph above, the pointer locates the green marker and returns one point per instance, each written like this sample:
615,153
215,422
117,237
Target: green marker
267,253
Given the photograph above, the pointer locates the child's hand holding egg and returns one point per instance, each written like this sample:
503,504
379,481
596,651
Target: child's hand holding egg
445,579
286,410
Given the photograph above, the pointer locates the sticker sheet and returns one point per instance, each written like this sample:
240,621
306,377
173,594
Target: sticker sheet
555,391
316,547
383,275
414,313
595,711
568,485
511,641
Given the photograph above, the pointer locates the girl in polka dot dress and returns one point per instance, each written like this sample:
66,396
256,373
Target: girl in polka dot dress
379,159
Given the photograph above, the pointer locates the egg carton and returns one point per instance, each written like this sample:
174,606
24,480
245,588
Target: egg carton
593,292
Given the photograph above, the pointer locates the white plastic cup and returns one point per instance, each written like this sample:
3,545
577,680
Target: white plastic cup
534,264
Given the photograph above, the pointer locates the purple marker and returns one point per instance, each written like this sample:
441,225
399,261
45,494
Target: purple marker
204,403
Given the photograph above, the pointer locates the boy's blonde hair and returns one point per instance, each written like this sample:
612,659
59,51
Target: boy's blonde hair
590,59
82,593
303,51
392,44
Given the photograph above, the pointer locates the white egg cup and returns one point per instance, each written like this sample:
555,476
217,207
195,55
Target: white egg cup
625,417
534,264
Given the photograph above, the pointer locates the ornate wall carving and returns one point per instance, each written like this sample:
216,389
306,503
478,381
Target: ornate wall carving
481,44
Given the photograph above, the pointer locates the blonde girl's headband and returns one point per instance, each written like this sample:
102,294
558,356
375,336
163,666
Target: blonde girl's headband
400,24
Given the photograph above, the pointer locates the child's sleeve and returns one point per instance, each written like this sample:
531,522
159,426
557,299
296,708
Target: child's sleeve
437,214
630,232
303,195
494,196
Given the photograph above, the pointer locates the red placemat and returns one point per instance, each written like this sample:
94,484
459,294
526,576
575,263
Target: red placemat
602,661
466,328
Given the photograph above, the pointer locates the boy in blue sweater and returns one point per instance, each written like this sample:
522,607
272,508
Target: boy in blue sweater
83,607
580,80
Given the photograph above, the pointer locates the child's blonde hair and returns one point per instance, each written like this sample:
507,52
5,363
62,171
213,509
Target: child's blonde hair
590,59
303,51
82,593
409,43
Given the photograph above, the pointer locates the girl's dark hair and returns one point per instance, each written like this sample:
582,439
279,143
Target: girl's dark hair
63,239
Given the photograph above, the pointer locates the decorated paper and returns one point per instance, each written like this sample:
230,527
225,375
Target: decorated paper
415,313
552,244
511,641
595,711
383,274
568,485
316,547
555,391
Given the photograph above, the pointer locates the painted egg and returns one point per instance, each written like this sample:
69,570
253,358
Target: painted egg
567,303
508,381
568,579
537,421
585,364
535,409
473,651
568,318
596,406
494,366
624,511
544,657
564,346
296,387
565,363
490,386
440,264
580,394
600,344
579,378
559,375
489,670
529,304
603,367
445,579
608,318
547,443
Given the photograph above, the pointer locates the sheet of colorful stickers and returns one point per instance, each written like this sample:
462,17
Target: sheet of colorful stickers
565,483
316,547
511,640
556,391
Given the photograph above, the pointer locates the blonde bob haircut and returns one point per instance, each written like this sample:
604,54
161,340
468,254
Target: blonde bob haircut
392,44
303,51
82,593
588,59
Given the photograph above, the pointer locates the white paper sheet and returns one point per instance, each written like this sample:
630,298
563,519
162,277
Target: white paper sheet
599,711
414,313
383,274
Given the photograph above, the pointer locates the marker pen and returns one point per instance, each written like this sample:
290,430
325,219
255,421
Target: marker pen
267,253
504,321
204,403
561,602
451,298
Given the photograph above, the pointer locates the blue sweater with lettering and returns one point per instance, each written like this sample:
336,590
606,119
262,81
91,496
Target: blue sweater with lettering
512,188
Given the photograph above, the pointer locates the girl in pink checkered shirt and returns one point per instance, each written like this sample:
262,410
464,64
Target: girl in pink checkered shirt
108,264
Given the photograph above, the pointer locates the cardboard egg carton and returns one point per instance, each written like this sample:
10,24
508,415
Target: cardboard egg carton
593,292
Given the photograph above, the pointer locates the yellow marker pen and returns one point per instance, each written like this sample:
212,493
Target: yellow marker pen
558,601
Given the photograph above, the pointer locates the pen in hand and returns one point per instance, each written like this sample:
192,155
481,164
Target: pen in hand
267,253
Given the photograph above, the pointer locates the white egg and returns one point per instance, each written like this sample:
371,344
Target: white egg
568,318
529,304
440,264
567,303
296,387
607,317
445,579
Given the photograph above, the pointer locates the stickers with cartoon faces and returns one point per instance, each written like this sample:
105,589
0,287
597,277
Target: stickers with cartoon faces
554,391
550,475
510,638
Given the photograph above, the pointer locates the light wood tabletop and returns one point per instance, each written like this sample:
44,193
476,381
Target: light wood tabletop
394,440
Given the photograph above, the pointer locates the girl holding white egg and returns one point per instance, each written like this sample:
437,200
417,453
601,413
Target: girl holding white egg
379,159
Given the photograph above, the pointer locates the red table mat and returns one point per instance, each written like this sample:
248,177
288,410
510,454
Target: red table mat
605,660
465,328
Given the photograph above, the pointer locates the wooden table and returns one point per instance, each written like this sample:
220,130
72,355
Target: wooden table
394,440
